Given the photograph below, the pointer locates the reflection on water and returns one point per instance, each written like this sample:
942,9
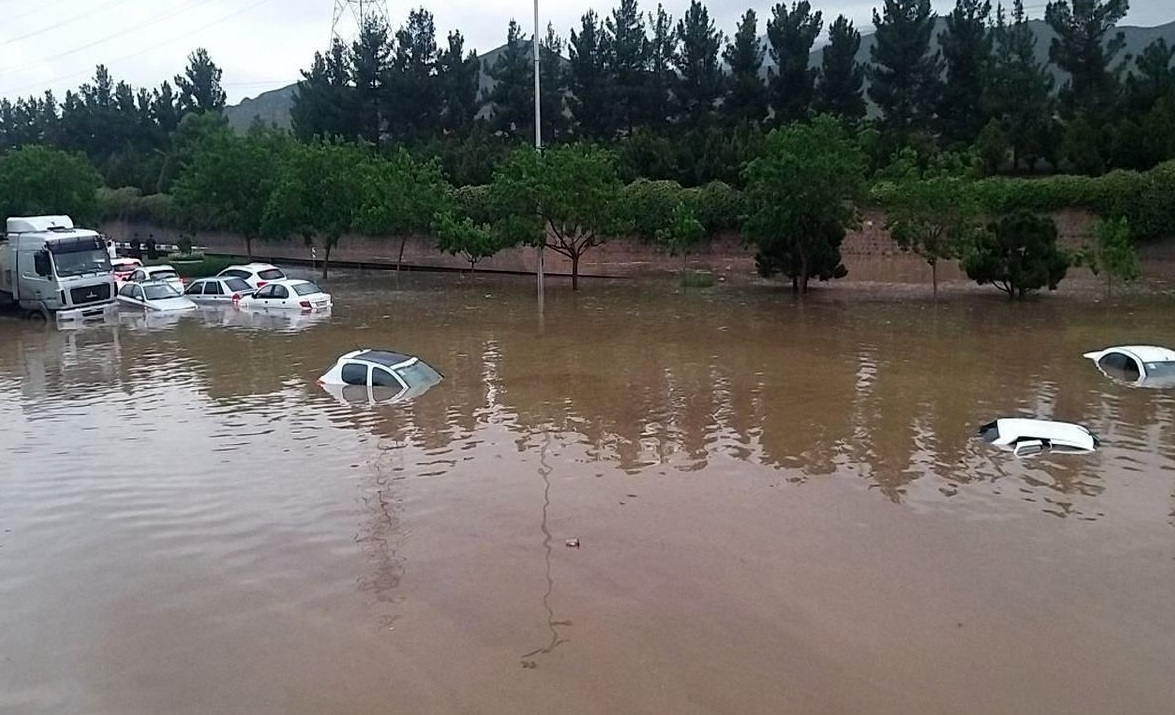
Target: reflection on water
745,470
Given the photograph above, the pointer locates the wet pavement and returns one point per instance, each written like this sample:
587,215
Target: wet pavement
780,508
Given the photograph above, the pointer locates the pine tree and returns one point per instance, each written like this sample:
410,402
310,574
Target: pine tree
839,89
552,87
414,97
663,48
1154,77
966,47
790,35
905,75
588,78
512,96
746,96
701,78
324,98
460,77
370,54
1019,89
1085,50
199,85
627,53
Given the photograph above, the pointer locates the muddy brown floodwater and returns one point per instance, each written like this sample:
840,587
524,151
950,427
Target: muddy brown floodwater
780,507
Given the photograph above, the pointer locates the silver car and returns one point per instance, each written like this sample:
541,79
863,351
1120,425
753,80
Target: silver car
222,290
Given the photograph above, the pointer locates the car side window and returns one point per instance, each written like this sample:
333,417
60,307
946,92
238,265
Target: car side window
280,292
136,292
137,276
127,289
213,288
354,373
383,378
194,289
1120,362
266,292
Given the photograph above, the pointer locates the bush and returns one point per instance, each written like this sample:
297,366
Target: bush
1017,254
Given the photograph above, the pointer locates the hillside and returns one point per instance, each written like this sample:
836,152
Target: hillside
273,107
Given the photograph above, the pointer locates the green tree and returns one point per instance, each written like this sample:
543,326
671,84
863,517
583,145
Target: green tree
414,97
1110,251
512,95
370,63
570,198
1085,49
199,86
663,49
471,240
790,35
553,87
905,73
932,216
1017,254
966,48
1019,89
401,197
801,195
839,89
746,95
626,50
39,180
697,62
682,233
1154,78
460,78
588,78
319,194
229,182
324,99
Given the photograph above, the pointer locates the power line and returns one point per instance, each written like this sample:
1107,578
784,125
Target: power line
56,25
156,46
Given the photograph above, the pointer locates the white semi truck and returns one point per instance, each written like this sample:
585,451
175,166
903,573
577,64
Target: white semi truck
52,269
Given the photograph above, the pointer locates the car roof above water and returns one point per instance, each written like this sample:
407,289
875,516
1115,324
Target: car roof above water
380,357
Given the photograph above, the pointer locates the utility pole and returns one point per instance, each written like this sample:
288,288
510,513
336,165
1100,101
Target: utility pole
538,141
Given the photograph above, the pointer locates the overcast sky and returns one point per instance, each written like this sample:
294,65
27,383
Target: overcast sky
262,44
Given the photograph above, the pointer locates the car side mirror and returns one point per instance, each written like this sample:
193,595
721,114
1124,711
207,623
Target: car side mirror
41,264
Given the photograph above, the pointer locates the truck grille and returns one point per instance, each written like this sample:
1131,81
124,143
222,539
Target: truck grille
90,294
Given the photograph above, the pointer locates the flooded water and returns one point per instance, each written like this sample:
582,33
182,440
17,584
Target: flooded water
780,508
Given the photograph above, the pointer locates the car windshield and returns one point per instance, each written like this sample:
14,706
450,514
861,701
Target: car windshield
1160,369
237,285
305,288
271,274
75,263
418,374
160,291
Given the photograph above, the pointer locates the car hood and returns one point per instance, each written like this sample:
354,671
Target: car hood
171,304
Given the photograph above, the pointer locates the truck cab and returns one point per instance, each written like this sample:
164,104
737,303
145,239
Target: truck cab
51,268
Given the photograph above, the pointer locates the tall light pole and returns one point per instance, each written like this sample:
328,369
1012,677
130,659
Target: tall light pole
538,140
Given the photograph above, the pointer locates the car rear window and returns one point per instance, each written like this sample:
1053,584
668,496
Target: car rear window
164,274
271,274
305,288
237,285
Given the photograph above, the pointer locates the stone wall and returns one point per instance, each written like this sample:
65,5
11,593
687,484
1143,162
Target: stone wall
869,253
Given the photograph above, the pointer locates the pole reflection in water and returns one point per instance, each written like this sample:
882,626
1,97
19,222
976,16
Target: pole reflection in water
552,624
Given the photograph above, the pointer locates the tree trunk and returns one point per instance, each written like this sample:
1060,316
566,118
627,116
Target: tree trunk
574,271
400,258
326,261
934,278
249,247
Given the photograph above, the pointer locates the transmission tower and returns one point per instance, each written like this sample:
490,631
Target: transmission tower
360,12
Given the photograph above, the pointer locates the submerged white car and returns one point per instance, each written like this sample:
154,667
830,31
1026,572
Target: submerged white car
153,295
255,274
1137,364
142,274
378,376
288,294
1024,437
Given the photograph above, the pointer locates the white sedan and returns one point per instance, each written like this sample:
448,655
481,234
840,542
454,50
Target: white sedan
142,274
288,294
154,295
1137,364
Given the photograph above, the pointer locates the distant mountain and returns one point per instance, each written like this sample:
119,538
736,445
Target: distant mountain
273,107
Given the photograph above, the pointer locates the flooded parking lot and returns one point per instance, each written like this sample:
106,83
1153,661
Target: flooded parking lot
780,508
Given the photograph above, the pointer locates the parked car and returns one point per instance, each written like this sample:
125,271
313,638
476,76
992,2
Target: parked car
378,376
255,274
1149,365
153,295
218,291
124,267
143,274
1025,437
288,294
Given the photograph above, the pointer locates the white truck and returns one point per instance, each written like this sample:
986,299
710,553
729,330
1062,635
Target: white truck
49,268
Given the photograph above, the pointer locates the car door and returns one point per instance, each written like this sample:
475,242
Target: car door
263,297
195,291
281,297
124,293
137,296
214,292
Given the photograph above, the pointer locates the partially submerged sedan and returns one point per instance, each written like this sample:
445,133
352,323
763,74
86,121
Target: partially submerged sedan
1024,437
1149,365
378,376
153,295
288,294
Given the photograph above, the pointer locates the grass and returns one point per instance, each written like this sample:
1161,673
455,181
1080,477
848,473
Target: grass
201,268
697,279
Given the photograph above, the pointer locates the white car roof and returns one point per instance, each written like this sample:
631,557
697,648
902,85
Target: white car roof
1013,429
254,266
1144,353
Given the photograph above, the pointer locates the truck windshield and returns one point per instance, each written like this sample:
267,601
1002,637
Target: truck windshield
75,263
